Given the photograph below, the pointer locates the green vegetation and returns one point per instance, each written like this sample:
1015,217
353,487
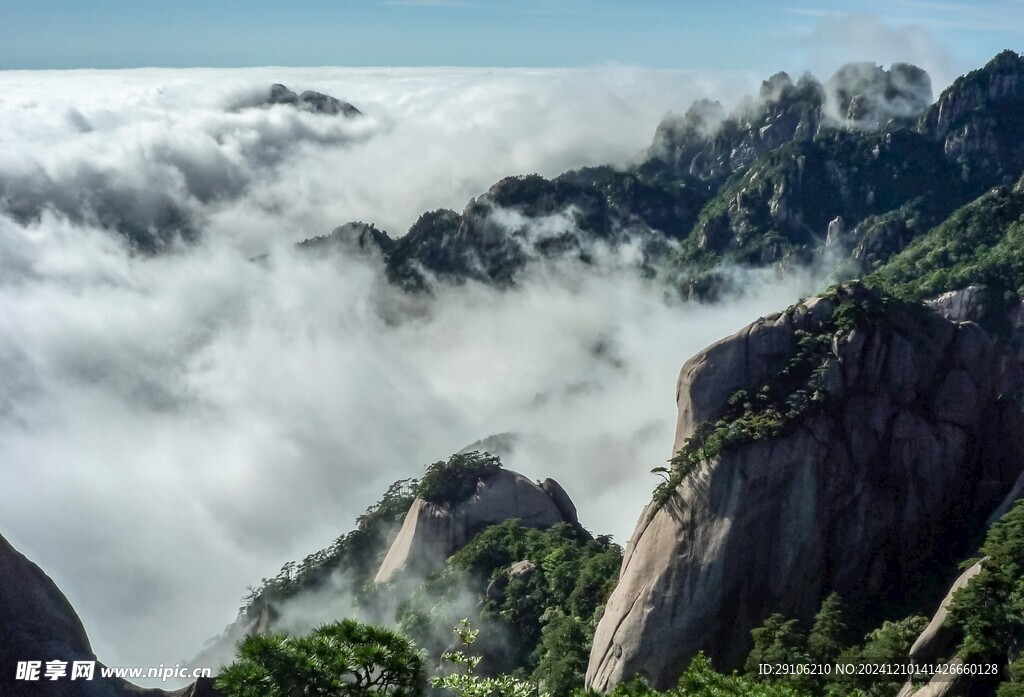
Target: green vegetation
464,682
782,205
563,651
982,243
341,659
452,482
989,611
357,553
701,680
540,618
988,614
347,658
783,641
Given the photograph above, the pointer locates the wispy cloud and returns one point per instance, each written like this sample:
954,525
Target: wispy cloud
248,413
830,38
1001,16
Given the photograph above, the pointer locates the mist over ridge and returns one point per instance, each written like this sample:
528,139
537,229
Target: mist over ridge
177,359
206,394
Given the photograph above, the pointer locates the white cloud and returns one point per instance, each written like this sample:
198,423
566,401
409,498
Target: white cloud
174,428
836,38
138,140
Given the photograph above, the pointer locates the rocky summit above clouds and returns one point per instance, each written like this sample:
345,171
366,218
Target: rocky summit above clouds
519,221
761,185
314,102
707,143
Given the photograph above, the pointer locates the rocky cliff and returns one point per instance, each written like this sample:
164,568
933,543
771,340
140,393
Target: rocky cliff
707,143
432,532
37,623
759,185
852,444
978,121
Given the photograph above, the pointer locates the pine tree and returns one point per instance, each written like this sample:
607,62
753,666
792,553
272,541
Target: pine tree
825,642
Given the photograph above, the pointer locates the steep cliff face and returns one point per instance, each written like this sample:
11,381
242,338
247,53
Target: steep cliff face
432,532
784,203
894,452
978,121
890,180
37,623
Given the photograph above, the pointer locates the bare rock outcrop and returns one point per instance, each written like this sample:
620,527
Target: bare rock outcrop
937,641
432,532
974,120
37,623
963,305
912,446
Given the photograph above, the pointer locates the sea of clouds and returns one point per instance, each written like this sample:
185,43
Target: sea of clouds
175,427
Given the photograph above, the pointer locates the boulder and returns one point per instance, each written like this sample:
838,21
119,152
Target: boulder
964,305
522,568
431,532
562,501
863,497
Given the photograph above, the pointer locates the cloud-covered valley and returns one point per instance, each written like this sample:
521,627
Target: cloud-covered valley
173,427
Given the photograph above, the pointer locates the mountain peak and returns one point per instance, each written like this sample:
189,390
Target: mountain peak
315,102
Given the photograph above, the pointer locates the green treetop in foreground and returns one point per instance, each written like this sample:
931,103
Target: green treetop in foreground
341,659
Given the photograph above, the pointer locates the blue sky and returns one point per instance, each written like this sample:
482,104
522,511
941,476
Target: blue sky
728,34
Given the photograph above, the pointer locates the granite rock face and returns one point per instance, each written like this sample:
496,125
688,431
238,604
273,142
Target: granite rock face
913,448
964,305
937,640
977,120
431,532
37,623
